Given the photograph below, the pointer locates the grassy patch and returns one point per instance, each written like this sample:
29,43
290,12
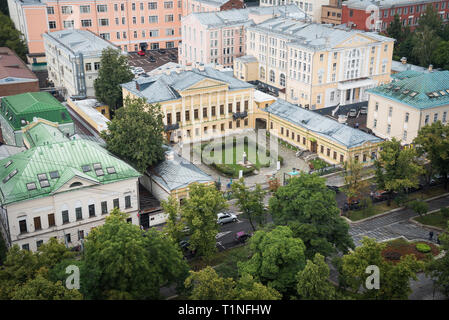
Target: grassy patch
227,258
382,207
436,219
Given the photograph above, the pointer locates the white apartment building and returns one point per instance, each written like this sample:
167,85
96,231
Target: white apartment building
73,60
312,8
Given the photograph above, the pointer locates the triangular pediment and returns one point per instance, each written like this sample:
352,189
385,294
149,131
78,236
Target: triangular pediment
206,83
355,41
74,180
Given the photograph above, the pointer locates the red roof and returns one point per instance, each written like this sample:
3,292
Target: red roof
12,66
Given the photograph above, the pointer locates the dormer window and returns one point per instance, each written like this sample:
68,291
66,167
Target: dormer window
99,172
31,186
110,170
8,163
97,166
44,183
54,174
42,176
10,175
86,168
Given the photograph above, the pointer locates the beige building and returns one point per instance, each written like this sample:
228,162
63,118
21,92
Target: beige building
198,103
314,65
400,108
312,8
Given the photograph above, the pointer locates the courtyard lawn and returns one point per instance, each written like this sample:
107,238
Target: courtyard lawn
397,248
225,262
381,207
436,219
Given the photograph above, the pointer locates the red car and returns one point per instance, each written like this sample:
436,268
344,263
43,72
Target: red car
141,53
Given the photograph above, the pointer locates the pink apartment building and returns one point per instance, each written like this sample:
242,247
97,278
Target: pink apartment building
128,24
219,37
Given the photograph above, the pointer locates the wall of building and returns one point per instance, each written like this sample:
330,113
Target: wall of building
17,88
311,7
70,200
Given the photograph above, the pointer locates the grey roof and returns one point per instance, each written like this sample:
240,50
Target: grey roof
398,66
312,35
178,173
364,4
80,41
247,59
7,150
217,3
241,16
321,125
164,87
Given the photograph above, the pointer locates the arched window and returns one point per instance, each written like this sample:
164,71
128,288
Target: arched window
76,184
272,76
282,80
262,73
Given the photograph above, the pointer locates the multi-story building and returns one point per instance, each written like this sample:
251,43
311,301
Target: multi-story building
399,109
330,140
15,77
331,13
219,37
370,15
73,60
312,8
198,103
191,6
19,110
62,188
130,25
316,65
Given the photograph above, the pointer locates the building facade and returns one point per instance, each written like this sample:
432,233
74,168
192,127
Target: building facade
62,188
315,65
369,15
331,13
219,37
197,6
312,8
15,77
73,60
128,24
399,109
19,110
198,103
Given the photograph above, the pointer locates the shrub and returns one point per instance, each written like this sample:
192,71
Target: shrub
420,207
445,212
392,255
422,247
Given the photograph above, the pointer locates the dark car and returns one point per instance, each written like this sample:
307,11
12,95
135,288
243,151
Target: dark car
367,130
161,51
334,188
351,205
242,236
185,247
171,56
152,59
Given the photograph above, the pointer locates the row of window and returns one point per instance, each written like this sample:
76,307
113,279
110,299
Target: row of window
213,112
214,128
23,228
104,7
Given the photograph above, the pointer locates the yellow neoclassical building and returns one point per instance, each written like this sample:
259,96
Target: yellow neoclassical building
314,65
198,103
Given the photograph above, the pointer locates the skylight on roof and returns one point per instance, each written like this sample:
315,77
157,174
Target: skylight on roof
54,174
405,91
8,163
31,186
10,175
99,172
413,93
110,170
42,176
443,93
97,166
86,168
44,183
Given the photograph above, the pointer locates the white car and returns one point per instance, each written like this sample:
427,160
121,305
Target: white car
364,110
352,113
226,217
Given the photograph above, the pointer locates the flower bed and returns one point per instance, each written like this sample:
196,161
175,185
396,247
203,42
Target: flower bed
397,248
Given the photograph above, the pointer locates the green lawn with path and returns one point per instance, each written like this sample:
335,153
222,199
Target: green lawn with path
436,219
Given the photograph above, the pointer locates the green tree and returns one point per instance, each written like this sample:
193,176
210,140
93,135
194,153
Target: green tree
433,142
114,71
121,260
309,208
313,281
438,269
430,19
41,288
355,187
175,225
3,250
425,43
12,38
248,288
397,169
441,55
200,214
394,279
420,207
52,253
136,134
277,258
250,202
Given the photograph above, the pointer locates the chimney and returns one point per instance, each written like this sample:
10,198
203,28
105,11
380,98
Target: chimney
430,67
404,60
137,86
169,155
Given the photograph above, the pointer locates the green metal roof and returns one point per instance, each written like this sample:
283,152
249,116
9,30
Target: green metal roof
406,74
43,133
427,90
28,105
67,158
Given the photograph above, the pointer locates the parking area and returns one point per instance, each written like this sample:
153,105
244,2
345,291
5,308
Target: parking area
160,58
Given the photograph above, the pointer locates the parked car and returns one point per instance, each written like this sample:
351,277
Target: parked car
161,51
334,188
367,130
141,53
363,110
379,195
352,113
185,247
152,59
171,56
242,236
226,217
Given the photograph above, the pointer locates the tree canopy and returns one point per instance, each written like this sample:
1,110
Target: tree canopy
250,202
114,71
136,134
175,224
123,261
310,209
12,38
